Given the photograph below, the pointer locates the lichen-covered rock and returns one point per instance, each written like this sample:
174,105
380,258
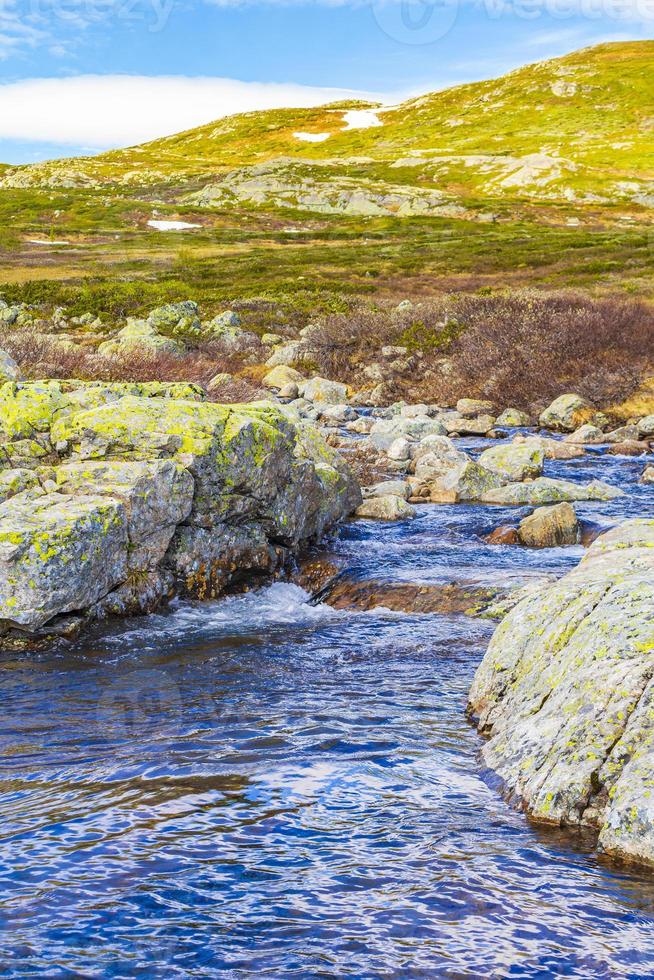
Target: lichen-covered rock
587,435
386,508
139,336
467,481
281,376
471,407
463,426
513,418
550,527
170,495
322,390
552,448
566,695
545,490
567,413
176,319
384,432
646,427
515,462
58,554
648,475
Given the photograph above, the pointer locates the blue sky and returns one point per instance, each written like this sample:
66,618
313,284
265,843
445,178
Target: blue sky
114,72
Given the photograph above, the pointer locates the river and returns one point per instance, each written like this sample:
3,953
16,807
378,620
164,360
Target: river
263,787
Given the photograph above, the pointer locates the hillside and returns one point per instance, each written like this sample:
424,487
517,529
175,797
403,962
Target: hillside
578,129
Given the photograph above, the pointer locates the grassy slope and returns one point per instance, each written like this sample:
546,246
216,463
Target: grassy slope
605,126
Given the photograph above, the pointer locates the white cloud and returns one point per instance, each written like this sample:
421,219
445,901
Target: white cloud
117,110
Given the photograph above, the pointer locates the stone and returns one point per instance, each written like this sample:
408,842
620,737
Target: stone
225,323
565,695
550,527
552,448
286,355
384,432
386,508
139,336
566,413
336,413
437,456
393,488
455,423
646,427
322,390
9,370
289,391
15,481
515,461
648,475
219,381
400,449
281,376
545,490
59,554
176,319
624,433
470,408
587,435
513,418
630,447
467,481
505,535
271,339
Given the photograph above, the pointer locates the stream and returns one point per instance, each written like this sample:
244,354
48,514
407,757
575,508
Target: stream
264,787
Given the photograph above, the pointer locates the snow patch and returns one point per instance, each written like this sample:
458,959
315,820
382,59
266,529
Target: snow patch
361,119
312,137
41,241
172,225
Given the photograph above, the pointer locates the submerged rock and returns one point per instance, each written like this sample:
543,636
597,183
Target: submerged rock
565,694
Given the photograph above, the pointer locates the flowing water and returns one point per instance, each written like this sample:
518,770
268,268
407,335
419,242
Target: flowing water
263,787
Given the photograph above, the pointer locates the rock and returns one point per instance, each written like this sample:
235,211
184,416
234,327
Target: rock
336,413
59,554
550,527
400,449
271,339
389,488
552,448
515,462
412,411
226,327
648,475
625,433
289,391
282,375
219,381
386,508
322,390
361,426
587,435
455,423
225,323
158,494
286,355
646,427
513,418
437,456
629,448
565,695
392,352
567,413
505,535
384,432
467,481
407,597
139,336
470,408
177,319
9,370
545,490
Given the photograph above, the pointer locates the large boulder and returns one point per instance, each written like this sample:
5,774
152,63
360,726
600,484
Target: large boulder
567,413
646,427
587,435
514,462
552,448
464,426
513,418
565,695
281,376
545,490
153,495
470,408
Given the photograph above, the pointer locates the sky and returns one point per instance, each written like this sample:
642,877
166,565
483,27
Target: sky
79,76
